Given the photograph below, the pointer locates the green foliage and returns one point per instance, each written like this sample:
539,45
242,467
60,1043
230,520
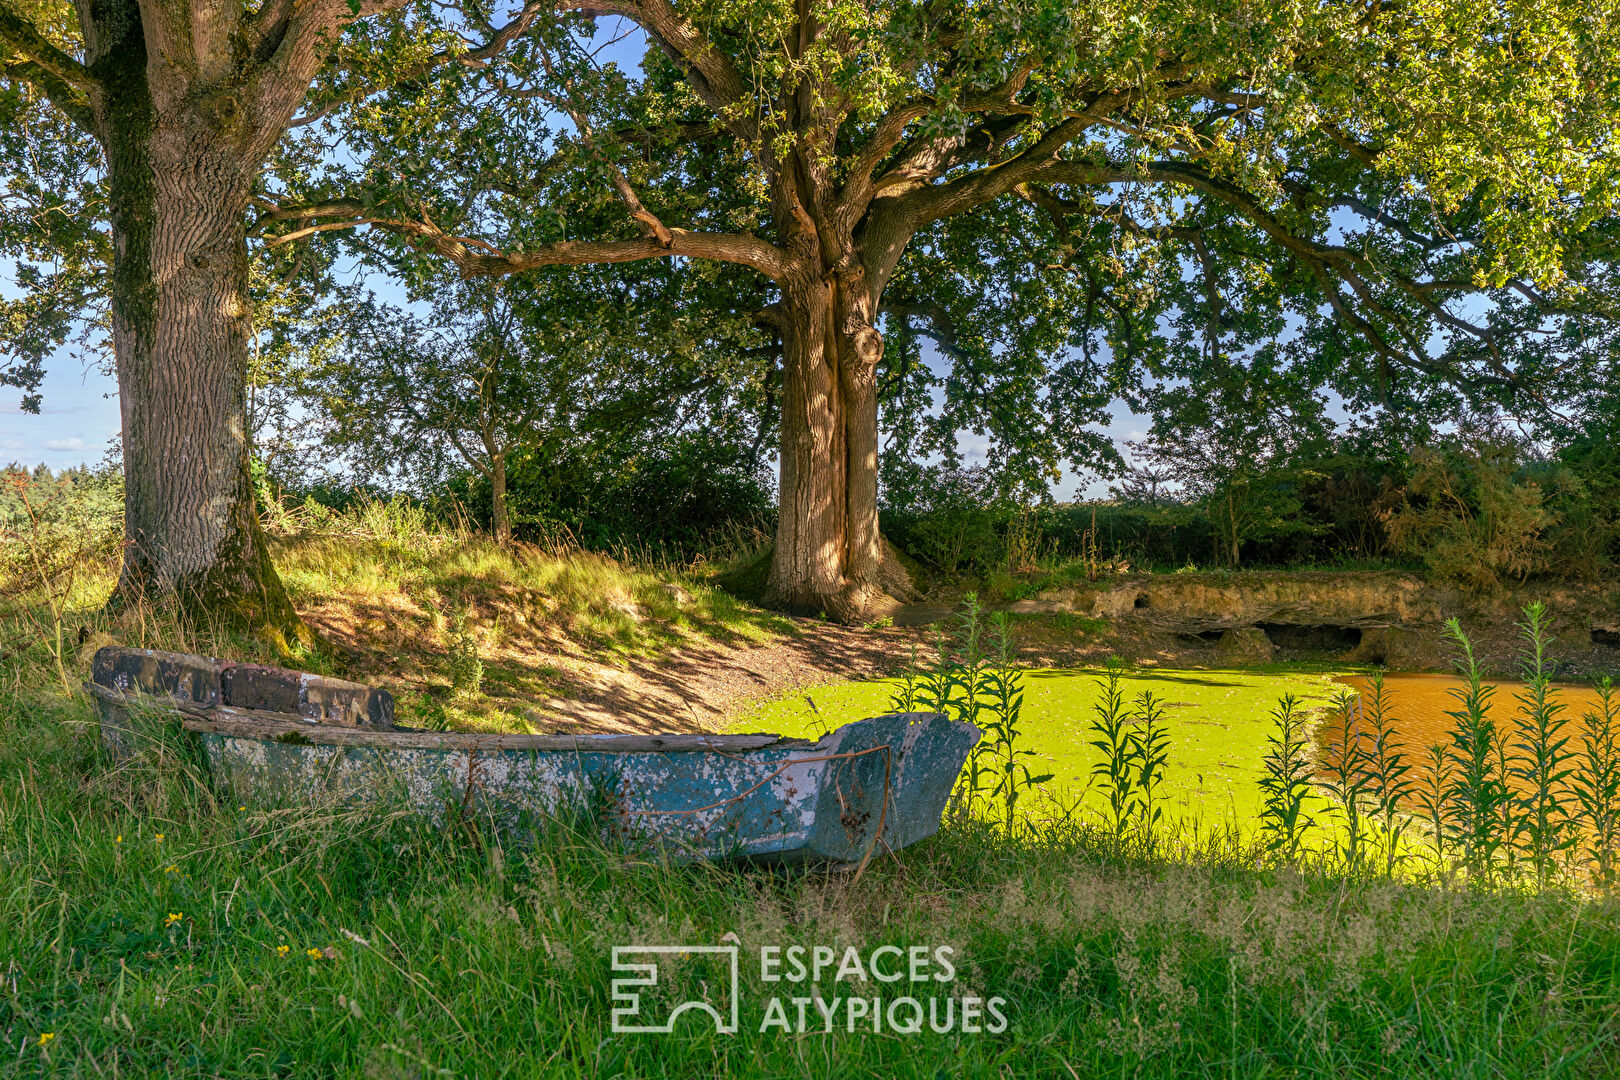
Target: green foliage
1349,779
55,530
1286,785
1151,752
1385,771
1479,510
1539,762
462,663
953,519
984,687
1478,791
672,497
1115,771
1470,517
1596,785
1003,686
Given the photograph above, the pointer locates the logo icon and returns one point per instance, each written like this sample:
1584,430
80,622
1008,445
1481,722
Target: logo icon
627,998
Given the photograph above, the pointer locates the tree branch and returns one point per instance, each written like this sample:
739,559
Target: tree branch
65,96
24,37
471,57
741,248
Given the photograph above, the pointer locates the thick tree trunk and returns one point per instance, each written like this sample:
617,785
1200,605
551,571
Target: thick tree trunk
180,325
829,554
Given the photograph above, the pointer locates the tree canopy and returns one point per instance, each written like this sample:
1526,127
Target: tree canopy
1409,205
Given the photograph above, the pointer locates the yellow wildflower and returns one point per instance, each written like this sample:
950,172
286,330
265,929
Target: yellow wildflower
173,917
119,839
282,950
160,838
45,1037
313,954
172,870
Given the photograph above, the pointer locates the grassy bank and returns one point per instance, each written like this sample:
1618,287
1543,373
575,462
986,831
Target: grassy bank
147,929
464,632
152,931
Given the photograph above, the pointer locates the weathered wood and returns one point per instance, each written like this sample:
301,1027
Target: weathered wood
180,676
880,783
256,687
264,724
235,723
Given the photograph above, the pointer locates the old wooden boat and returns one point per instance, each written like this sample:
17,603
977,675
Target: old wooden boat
274,737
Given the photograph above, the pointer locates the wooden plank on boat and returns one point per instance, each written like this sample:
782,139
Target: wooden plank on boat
291,727
319,735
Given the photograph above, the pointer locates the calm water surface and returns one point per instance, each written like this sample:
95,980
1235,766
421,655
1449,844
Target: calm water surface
1420,703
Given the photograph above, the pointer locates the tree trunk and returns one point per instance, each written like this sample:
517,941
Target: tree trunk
828,557
497,498
180,327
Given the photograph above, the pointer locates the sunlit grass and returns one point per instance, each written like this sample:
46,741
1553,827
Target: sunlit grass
387,586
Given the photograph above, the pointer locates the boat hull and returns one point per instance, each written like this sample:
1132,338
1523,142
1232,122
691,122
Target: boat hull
875,784
277,738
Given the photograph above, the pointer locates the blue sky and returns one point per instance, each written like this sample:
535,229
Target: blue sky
78,417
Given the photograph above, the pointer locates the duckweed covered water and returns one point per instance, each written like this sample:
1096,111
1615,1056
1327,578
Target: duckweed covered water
1218,722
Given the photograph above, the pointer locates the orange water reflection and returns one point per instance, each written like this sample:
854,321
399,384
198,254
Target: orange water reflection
1419,705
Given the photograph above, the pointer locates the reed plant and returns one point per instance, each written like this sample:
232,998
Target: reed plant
1433,799
1596,786
1386,770
976,678
1115,773
1285,784
1540,760
1536,805
1151,751
1478,795
1349,778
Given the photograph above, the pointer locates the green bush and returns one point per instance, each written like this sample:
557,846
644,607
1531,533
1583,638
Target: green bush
677,498
1473,516
953,519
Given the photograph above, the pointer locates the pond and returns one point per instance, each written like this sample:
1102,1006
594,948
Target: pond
1218,723
1420,703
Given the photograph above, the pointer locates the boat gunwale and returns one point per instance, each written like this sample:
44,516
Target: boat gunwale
281,727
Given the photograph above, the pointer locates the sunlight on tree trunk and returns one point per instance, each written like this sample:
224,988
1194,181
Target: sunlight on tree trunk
828,549
180,327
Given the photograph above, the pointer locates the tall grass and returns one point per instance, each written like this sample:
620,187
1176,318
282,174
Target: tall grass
153,930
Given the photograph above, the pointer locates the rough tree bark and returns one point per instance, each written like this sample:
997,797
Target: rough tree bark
181,325
187,99
829,554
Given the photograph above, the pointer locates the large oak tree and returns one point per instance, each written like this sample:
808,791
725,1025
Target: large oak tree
862,158
137,133
870,158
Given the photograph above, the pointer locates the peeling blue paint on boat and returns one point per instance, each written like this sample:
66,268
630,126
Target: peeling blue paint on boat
795,800
274,738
